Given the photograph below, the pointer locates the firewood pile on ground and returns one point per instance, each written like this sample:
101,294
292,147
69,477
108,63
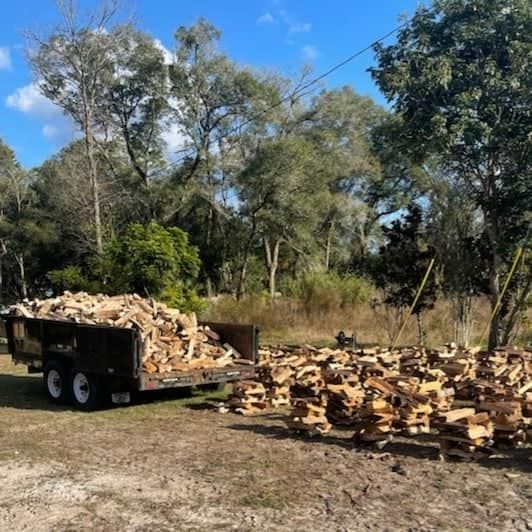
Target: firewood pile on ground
474,399
172,340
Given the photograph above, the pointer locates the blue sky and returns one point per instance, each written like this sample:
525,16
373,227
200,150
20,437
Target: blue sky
280,35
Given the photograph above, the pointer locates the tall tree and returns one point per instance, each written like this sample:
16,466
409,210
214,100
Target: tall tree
136,99
64,190
213,97
9,172
23,230
368,181
72,67
454,228
340,122
282,196
402,263
459,80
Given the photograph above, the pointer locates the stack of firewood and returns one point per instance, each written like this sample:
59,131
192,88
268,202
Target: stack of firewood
377,414
504,377
309,402
458,364
172,340
441,396
281,380
411,390
413,361
275,370
413,409
506,366
464,433
309,415
247,398
345,398
507,418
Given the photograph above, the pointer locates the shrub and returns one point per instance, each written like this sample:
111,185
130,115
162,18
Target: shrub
150,260
327,291
183,298
72,278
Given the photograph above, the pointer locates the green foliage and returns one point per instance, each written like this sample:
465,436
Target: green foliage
329,291
72,278
459,80
152,261
308,186
403,261
182,297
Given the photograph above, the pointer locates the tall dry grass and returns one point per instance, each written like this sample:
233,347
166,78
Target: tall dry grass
290,320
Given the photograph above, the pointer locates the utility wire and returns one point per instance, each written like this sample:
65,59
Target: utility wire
294,96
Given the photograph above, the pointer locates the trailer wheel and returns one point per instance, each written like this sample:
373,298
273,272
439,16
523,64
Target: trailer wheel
86,390
56,382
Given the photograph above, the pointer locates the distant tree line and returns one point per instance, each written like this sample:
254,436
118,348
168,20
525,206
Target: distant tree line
274,181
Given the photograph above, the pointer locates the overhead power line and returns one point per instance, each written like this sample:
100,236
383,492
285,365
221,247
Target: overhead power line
294,96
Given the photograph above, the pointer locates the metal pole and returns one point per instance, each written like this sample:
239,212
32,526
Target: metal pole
501,295
412,306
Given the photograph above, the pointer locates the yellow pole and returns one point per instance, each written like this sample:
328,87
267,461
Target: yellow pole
410,310
501,295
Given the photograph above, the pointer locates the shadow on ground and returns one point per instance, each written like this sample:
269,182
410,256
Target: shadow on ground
424,447
26,392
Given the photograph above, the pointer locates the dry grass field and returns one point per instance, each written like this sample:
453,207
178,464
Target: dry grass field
171,463
288,320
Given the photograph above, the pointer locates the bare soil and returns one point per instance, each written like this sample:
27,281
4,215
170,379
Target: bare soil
168,463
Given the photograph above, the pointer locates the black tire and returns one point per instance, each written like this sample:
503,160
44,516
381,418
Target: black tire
87,390
56,382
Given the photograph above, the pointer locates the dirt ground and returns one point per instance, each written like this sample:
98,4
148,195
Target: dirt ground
177,464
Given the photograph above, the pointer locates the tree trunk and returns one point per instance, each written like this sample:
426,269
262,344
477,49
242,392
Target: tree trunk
519,307
491,220
22,272
208,237
420,330
244,266
330,233
133,158
208,286
272,262
93,176
3,253
494,287
241,287
462,319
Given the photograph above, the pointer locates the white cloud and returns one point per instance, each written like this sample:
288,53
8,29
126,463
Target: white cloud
174,138
5,58
167,54
50,131
56,126
310,53
300,27
267,18
29,100
294,26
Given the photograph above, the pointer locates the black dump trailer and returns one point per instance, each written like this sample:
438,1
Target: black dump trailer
84,364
